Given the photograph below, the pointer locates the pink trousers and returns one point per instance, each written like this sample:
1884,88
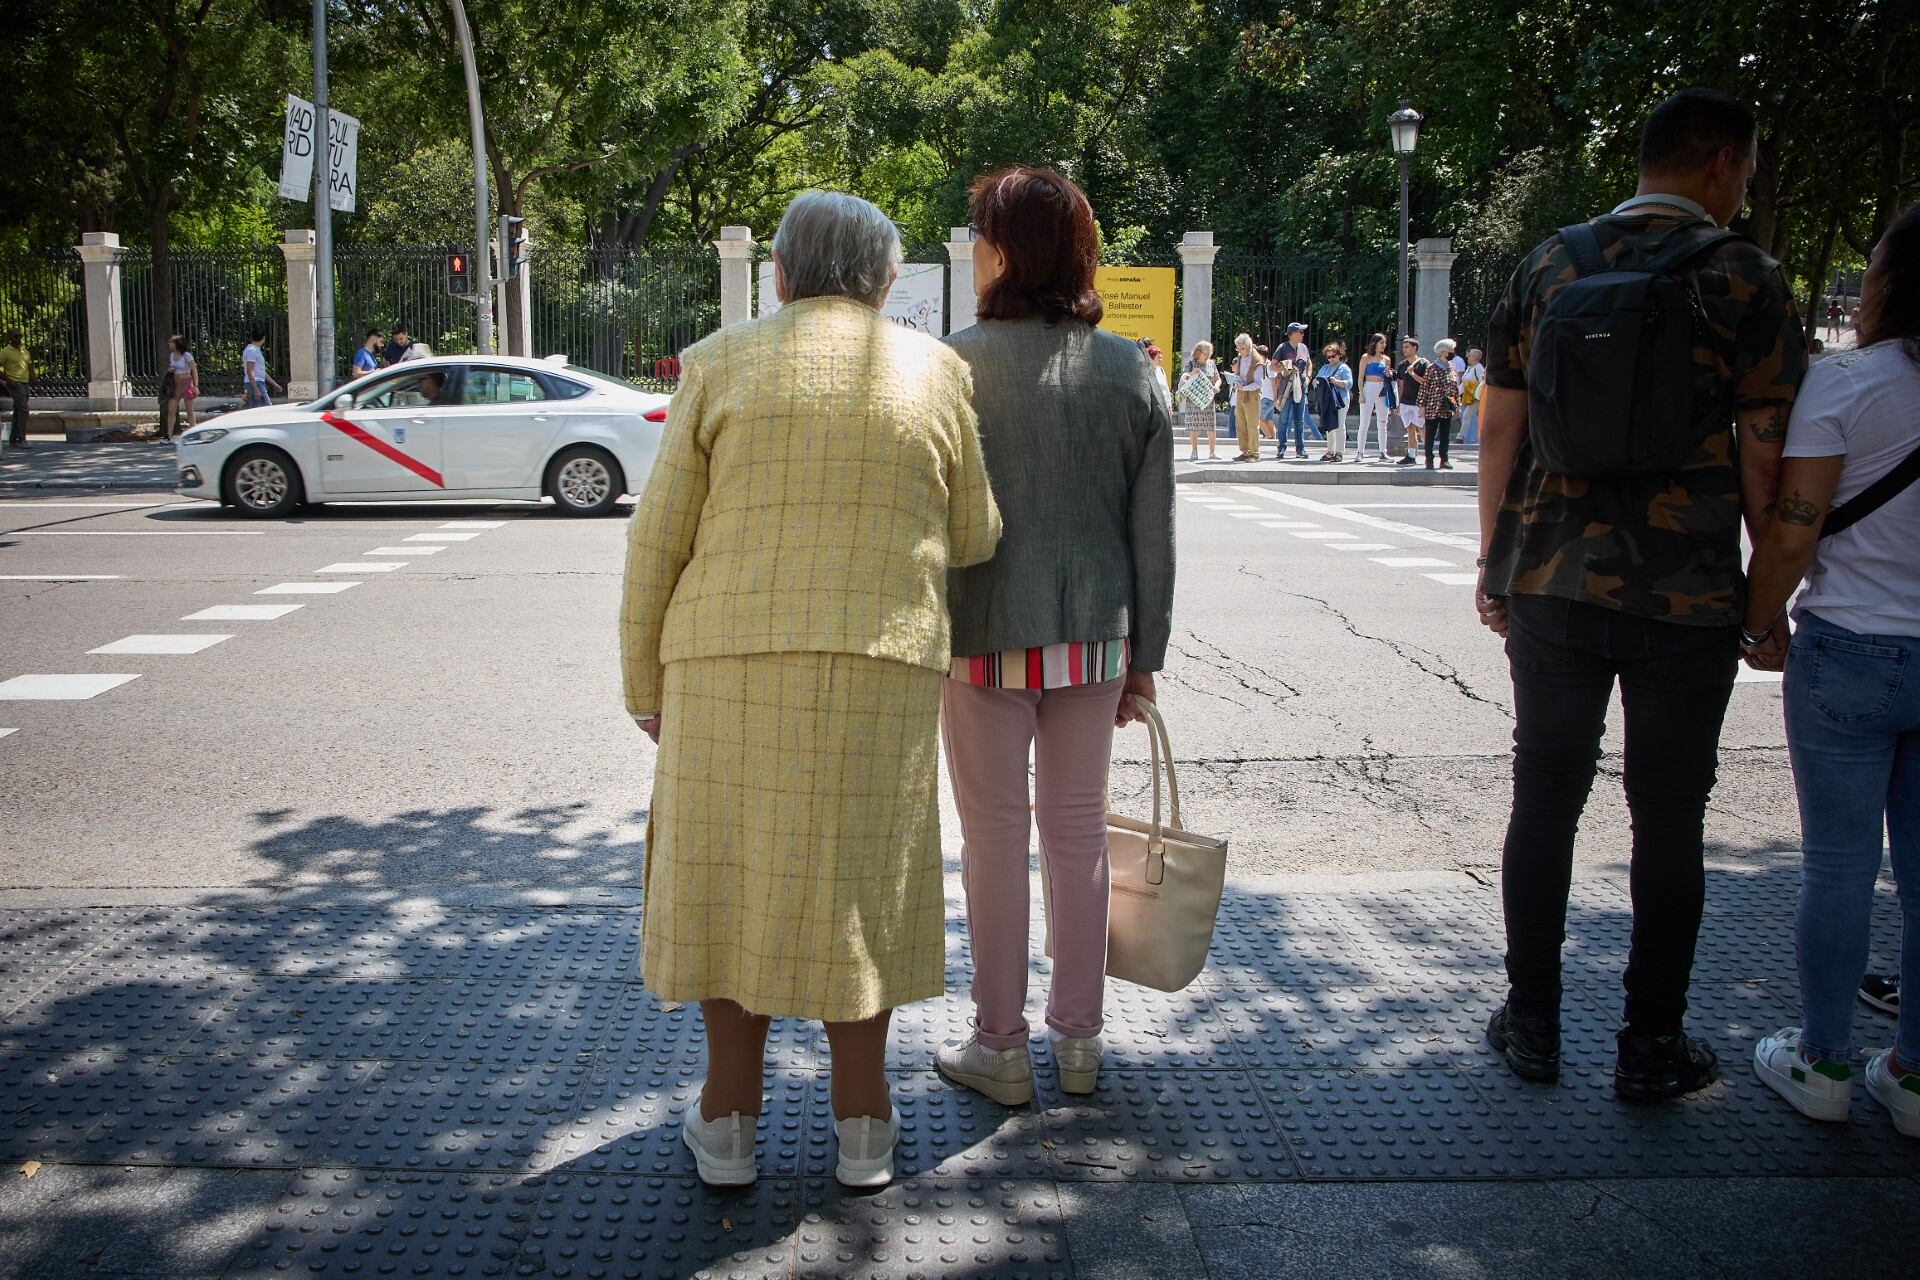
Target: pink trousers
987,734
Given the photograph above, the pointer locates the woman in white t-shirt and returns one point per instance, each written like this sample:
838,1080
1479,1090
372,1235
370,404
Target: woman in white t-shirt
1852,689
183,390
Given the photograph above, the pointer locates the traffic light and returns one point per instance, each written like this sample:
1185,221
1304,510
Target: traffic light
513,245
459,273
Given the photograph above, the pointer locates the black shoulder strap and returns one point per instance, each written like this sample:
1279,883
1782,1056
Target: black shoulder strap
1874,496
1687,248
1584,245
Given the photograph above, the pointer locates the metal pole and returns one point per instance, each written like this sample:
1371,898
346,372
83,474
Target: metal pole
1403,248
322,208
482,274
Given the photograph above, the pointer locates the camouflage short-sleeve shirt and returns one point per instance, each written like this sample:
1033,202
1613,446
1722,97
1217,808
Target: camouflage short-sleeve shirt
1663,547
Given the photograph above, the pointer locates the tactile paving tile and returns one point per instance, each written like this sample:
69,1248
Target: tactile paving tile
1427,1123
461,1117
645,1029
95,1008
336,942
485,1020
349,1223
311,1018
627,1121
1195,1126
57,937
946,1131
931,1230
1743,948
1401,1024
1465,948
238,1112
558,944
619,1227
52,1100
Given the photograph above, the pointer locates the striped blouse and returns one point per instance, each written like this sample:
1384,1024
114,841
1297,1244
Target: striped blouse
1050,666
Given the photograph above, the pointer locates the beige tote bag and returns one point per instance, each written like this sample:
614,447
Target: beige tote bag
1165,885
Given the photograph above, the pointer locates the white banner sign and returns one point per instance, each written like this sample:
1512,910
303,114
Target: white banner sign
296,156
918,300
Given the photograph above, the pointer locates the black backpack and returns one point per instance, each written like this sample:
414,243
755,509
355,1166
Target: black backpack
1611,374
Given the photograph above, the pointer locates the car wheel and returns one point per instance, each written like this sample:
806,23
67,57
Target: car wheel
262,482
584,481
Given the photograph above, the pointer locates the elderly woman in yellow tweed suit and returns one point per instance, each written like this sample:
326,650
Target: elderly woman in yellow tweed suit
784,633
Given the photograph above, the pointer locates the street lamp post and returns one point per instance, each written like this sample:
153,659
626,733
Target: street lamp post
476,122
1404,127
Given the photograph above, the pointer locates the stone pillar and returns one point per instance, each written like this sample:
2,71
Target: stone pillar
303,368
962,307
1432,290
106,321
1197,252
735,247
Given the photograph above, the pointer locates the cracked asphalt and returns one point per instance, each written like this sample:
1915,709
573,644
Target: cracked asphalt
457,722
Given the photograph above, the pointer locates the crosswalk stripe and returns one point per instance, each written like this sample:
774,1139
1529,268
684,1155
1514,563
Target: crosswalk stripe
161,644
242,613
59,688
305,589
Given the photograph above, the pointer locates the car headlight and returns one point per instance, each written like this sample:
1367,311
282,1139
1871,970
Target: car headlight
207,436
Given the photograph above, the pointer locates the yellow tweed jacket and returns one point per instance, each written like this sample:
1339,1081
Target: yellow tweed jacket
819,473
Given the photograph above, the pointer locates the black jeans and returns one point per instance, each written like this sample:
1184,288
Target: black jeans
17,396
1442,430
1674,684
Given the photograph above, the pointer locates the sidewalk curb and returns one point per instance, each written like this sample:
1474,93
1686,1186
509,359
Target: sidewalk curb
1330,474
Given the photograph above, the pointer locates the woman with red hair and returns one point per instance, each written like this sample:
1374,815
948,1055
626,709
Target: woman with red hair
1058,633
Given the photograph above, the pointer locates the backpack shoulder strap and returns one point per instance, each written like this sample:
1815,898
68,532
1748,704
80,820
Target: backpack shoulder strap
1687,249
1584,245
1874,496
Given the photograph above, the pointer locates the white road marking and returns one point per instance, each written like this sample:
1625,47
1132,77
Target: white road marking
76,506
361,566
474,524
1248,515
1288,524
56,577
305,589
134,533
406,551
161,644
1456,541
1360,546
1454,579
242,613
441,537
1323,535
1413,562
1747,675
5,732
1410,506
46,688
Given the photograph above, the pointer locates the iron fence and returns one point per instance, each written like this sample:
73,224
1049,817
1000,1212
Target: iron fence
42,296
386,286
1260,295
1477,283
626,312
220,298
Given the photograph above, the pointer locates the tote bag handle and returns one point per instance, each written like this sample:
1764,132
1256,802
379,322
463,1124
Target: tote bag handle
1161,749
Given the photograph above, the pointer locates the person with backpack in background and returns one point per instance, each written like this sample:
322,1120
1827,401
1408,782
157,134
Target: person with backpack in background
1617,461
1847,522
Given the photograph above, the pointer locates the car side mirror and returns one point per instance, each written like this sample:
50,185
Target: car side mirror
343,401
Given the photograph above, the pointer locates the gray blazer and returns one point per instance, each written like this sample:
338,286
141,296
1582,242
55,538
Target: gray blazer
1079,450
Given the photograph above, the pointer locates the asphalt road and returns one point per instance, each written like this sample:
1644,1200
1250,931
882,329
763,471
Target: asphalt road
453,720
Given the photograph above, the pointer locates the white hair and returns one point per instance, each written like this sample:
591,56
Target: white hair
1242,340
831,244
1446,344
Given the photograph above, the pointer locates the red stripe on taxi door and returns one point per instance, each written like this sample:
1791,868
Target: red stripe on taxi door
384,449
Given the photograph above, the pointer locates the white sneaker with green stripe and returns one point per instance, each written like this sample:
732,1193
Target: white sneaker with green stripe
1819,1090
1898,1094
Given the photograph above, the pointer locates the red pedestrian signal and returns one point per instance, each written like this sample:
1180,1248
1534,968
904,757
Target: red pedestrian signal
459,274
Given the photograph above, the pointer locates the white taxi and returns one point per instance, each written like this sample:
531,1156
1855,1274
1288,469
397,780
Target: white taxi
441,427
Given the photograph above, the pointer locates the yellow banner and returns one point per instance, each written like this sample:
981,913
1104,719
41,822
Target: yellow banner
1139,304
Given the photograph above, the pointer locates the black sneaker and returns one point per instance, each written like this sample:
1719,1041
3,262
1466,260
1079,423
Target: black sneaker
1529,1043
1880,992
1407,461
1653,1068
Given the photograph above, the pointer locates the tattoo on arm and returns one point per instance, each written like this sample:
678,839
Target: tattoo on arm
1773,428
1795,509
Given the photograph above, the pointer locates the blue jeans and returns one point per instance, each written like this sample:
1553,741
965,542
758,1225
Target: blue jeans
1293,418
1853,734
256,395
1470,416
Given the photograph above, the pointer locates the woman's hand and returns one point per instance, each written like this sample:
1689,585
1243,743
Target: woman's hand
1771,655
650,726
1139,685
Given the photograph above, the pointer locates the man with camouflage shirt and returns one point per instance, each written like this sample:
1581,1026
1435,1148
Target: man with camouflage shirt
1634,578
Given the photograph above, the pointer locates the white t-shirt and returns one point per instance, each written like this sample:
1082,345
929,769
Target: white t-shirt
253,364
1865,405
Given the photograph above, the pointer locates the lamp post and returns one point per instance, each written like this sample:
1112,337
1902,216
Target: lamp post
482,285
1404,128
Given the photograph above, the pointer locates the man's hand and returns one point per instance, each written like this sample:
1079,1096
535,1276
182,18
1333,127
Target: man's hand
1139,685
1771,656
1492,611
650,726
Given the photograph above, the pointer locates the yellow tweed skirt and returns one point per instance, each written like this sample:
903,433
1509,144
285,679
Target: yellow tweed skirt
793,850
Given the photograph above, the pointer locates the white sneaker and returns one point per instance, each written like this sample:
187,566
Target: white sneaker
866,1149
723,1148
1818,1090
1005,1075
1898,1094
1078,1058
